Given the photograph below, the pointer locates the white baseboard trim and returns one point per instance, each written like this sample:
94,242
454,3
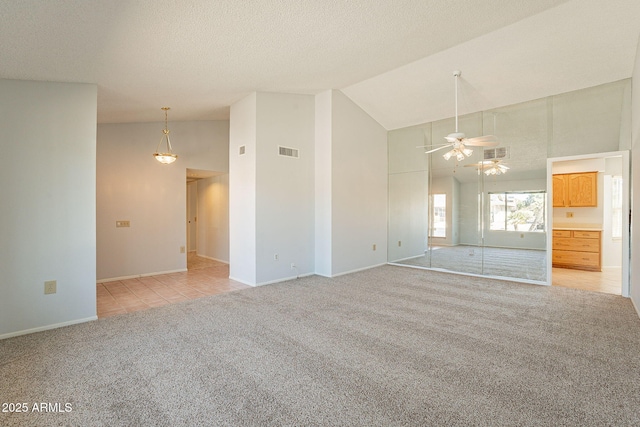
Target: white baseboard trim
212,258
235,279
407,258
135,276
359,269
460,273
47,327
271,282
284,279
635,306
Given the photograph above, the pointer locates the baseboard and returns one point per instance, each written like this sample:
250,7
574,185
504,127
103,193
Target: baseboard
635,306
271,282
136,276
235,279
460,273
284,279
212,258
407,258
47,327
359,269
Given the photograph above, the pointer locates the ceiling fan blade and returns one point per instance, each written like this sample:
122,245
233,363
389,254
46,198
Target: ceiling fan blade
482,141
438,148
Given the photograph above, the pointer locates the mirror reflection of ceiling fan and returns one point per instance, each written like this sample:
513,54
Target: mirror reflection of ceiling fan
457,141
490,167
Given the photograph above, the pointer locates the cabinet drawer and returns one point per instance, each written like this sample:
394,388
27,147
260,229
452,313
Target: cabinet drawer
561,233
585,259
576,244
586,234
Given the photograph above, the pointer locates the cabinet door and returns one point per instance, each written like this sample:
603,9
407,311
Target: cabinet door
583,189
559,191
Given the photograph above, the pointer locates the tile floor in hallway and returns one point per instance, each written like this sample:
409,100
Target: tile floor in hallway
204,277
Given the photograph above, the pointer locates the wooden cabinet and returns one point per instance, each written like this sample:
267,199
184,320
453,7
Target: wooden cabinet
575,189
578,249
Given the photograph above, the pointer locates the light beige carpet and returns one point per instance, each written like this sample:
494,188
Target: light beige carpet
529,264
388,346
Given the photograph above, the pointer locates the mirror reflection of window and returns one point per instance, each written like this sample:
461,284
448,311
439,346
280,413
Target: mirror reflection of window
517,211
439,228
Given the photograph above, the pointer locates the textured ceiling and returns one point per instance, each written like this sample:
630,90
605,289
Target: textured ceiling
393,57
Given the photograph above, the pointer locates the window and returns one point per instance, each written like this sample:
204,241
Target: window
616,207
517,211
439,204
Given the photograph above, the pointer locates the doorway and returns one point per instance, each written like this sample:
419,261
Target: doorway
207,218
588,245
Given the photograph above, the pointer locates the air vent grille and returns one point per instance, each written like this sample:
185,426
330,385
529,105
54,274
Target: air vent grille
288,152
496,153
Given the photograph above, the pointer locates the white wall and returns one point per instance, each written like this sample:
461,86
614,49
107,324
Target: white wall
408,193
47,183
242,191
213,217
132,186
322,186
359,188
635,195
284,187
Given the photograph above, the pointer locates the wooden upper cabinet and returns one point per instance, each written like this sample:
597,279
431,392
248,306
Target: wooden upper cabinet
583,189
560,191
575,189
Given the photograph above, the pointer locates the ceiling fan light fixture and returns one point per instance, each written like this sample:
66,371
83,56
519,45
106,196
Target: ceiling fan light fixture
496,169
168,156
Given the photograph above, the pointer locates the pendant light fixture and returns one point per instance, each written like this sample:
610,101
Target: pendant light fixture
168,156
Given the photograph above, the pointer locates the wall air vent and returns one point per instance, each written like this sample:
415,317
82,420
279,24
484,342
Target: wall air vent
496,153
242,150
288,152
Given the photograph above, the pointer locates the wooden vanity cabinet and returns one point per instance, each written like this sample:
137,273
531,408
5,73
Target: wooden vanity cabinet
575,189
577,249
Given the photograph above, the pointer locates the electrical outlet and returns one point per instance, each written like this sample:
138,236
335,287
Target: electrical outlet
50,287
374,246
275,257
399,243
522,235
293,265
182,249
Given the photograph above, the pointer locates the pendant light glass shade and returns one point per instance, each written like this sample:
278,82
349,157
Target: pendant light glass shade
168,156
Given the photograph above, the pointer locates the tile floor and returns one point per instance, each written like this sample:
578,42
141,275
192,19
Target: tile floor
609,280
204,277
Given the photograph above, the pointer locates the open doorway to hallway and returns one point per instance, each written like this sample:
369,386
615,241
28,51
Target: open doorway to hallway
207,221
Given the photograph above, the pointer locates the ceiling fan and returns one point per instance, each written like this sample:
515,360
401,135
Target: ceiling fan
457,141
490,167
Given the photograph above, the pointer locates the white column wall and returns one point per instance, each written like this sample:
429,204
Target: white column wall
323,183
48,209
242,191
284,187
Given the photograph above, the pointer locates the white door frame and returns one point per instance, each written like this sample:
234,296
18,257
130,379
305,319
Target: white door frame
626,235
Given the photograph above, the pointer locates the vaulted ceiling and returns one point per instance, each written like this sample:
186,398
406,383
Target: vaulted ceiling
394,58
